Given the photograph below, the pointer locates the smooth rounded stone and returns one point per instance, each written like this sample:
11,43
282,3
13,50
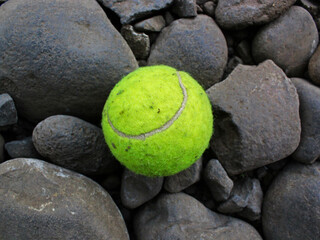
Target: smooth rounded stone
138,42
204,51
60,57
8,112
74,144
22,149
289,41
153,24
238,14
39,200
209,8
308,150
291,207
257,120
1,149
184,179
180,216
138,189
314,67
218,181
130,11
184,8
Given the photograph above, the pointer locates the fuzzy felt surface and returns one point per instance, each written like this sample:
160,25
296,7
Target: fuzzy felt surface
145,100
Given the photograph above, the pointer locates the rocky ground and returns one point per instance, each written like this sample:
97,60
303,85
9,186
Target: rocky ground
258,61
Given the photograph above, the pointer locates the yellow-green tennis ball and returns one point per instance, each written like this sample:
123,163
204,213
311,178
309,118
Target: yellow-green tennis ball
157,121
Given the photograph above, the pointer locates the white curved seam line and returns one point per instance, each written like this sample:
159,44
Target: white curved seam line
163,127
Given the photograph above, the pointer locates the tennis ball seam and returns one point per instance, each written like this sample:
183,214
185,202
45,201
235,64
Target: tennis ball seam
162,128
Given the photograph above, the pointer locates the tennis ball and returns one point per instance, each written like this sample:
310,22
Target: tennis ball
157,121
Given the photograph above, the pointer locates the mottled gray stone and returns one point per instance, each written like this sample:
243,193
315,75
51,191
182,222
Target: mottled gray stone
244,51
237,14
232,64
22,149
184,8
168,17
218,181
308,150
209,8
130,11
154,24
1,149
60,57
39,200
289,41
74,144
184,179
137,189
138,42
291,207
203,53
8,112
180,216
257,120
314,67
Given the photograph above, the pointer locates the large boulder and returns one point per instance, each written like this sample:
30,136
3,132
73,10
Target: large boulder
60,57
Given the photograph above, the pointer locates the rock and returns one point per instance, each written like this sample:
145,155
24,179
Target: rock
8,112
203,53
74,144
43,201
185,8
232,64
2,1
138,42
257,120
22,149
289,41
308,150
238,14
311,5
130,11
209,8
244,51
179,216
184,179
153,24
112,182
1,149
314,67
137,189
60,57
168,17
291,207
218,181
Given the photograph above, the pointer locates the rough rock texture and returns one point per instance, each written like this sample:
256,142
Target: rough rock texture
74,144
185,8
1,149
289,41
257,120
154,24
291,207
314,67
209,8
184,179
130,11
138,42
138,189
8,112
308,150
66,52
39,200
218,181
235,14
22,149
203,53
180,216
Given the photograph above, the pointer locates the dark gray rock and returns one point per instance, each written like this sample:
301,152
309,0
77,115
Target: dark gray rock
257,120
203,53
244,51
8,112
184,8
168,17
217,180
130,11
39,200
138,42
184,179
209,8
314,67
311,5
291,207
180,216
137,189
308,150
232,64
238,14
1,149
60,57
289,41
154,24
74,144
22,149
